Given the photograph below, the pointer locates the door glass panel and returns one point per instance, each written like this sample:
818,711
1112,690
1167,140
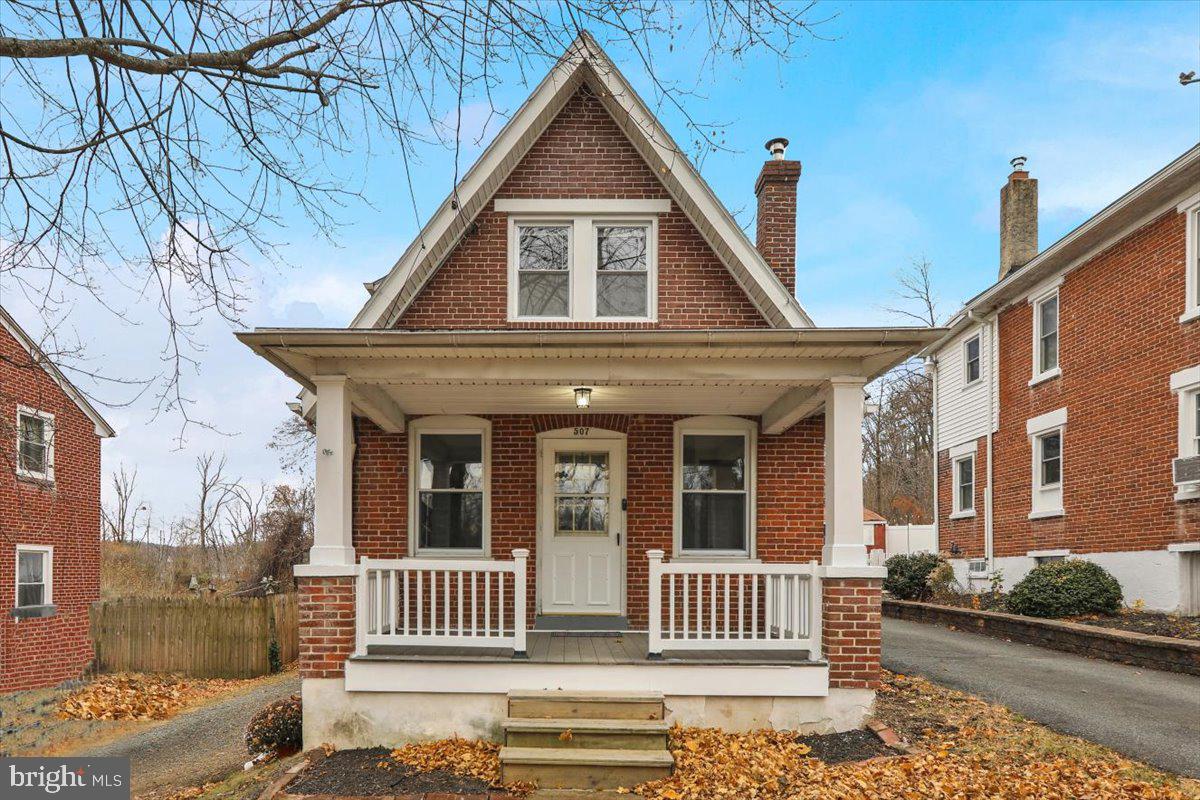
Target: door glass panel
581,482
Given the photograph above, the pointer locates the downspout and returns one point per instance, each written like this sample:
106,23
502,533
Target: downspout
932,364
993,368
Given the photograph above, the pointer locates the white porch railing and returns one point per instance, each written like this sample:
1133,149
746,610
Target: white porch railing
442,603
734,606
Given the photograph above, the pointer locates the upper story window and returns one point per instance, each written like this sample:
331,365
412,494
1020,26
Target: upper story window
34,575
1045,337
714,486
35,444
590,261
1046,441
972,363
450,484
1191,308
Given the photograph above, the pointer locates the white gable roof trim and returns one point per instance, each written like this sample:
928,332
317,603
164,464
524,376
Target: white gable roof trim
37,356
584,63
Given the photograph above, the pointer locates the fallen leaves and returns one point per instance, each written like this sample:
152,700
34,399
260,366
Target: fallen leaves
470,758
138,697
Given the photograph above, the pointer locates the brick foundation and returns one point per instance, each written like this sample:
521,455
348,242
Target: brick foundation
850,620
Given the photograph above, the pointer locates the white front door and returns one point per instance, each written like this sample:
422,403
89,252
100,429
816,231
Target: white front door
582,526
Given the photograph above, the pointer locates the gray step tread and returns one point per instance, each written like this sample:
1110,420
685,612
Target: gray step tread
576,756
588,725
584,696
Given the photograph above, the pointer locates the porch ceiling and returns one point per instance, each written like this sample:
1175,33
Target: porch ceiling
779,374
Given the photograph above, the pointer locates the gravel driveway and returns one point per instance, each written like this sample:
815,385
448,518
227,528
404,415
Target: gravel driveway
1147,714
197,745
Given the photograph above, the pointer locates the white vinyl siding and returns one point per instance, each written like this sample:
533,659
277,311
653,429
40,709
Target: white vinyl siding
962,409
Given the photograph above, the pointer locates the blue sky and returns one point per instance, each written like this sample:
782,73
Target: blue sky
905,122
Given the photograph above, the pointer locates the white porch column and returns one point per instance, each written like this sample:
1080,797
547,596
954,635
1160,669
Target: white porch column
843,474
332,540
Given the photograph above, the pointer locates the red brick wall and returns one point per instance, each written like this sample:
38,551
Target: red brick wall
967,533
44,652
850,628
1120,340
790,491
582,154
776,226
326,625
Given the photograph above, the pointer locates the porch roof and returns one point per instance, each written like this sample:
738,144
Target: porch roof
778,374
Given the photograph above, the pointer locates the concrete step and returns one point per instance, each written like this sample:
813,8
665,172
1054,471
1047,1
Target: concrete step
574,768
602,734
554,704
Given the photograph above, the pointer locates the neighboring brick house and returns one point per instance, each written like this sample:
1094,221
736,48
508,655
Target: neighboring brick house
582,383
49,517
1067,392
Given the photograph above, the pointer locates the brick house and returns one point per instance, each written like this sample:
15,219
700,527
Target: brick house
1067,392
49,517
583,402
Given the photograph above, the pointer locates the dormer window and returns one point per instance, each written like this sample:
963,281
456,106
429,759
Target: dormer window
583,260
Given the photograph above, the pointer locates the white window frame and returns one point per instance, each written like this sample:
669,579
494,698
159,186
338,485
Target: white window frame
582,259
1047,500
1191,302
716,426
958,511
1040,374
48,474
1185,384
967,380
450,424
47,553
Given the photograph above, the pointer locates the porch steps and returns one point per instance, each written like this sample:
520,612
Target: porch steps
585,740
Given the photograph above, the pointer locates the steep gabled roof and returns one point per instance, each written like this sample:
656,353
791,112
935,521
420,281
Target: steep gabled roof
37,356
583,64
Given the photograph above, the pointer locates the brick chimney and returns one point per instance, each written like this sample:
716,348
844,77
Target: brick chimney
1018,219
776,192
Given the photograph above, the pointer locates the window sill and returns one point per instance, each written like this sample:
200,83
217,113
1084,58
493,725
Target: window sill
33,612
1190,315
1047,514
701,558
451,555
1045,376
962,514
1188,491
46,481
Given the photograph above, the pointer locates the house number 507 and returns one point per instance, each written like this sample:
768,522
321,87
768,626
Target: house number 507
582,431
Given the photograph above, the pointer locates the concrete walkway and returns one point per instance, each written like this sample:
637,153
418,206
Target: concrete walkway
1148,715
197,745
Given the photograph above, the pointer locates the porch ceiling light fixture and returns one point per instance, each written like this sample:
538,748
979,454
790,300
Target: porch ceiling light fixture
583,397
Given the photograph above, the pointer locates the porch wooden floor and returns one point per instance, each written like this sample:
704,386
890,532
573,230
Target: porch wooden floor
549,647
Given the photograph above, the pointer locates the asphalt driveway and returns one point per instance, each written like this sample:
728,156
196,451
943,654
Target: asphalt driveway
1148,715
197,745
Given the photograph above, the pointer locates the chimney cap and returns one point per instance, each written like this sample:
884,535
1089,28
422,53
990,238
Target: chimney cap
777,147
1018,163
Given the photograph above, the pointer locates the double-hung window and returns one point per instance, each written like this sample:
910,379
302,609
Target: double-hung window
972,363
451,485
34,575
1045,337
714,486
1046,442
1191,306
964,485
583,260
1186,386
35,444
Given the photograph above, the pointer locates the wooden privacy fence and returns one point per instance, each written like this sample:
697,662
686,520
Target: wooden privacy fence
205,638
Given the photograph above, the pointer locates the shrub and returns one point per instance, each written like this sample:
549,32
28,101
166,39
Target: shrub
276,728
1065,589
908,575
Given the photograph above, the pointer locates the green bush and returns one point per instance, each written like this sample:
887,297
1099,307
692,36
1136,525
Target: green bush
276,728
1065,589
908,575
